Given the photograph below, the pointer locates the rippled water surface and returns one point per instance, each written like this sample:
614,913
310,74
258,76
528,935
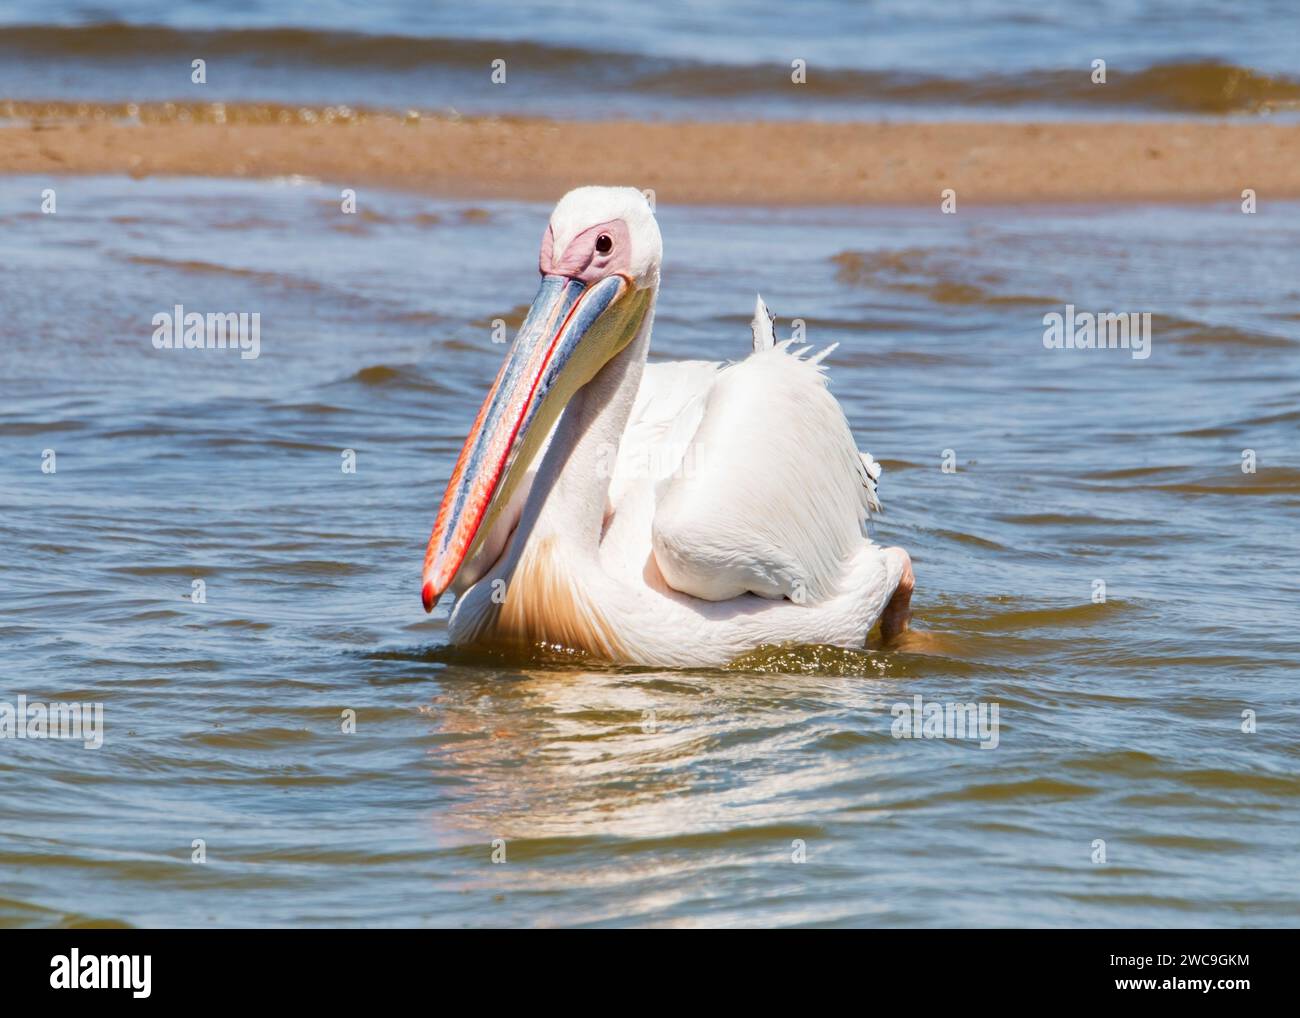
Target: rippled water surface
632,796
725,58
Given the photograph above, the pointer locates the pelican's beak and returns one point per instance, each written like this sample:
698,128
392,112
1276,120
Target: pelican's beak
570,332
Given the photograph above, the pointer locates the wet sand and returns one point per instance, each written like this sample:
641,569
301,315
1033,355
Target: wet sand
684,162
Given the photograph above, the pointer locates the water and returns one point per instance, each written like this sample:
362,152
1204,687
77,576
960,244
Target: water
910,58
1118,721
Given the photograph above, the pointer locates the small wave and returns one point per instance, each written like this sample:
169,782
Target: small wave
39,427
917,271
198,266
329,209
1206,87
393,376
1008,615
1183,86
1032,788
321,567
513,318
15,913
1245,781
1272,479
1222,336
315,48
258,738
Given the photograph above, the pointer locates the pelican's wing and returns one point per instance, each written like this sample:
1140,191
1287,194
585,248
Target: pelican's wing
669,407
772,495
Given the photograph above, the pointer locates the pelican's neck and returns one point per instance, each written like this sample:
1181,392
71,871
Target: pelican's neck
571,489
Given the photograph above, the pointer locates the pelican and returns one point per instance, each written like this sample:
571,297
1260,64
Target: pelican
672,515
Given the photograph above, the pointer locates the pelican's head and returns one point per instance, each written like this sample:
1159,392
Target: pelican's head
600,269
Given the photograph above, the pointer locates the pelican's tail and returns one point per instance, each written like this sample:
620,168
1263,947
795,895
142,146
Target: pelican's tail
764,334
872,480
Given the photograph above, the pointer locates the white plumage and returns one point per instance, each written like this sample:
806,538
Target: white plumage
771,496
731,512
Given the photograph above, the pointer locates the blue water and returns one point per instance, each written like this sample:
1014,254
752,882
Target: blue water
925,58
1120,721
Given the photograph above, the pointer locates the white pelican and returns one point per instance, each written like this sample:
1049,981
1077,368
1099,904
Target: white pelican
672,515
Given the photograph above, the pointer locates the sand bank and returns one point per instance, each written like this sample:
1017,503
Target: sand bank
724,163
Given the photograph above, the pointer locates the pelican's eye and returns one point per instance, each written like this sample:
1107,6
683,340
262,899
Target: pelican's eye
604,244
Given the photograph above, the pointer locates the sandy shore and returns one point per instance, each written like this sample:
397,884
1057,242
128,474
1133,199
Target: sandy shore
759,163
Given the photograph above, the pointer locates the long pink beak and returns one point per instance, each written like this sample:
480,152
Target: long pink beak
560,316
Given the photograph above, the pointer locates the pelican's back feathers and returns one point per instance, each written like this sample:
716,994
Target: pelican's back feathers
776,497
